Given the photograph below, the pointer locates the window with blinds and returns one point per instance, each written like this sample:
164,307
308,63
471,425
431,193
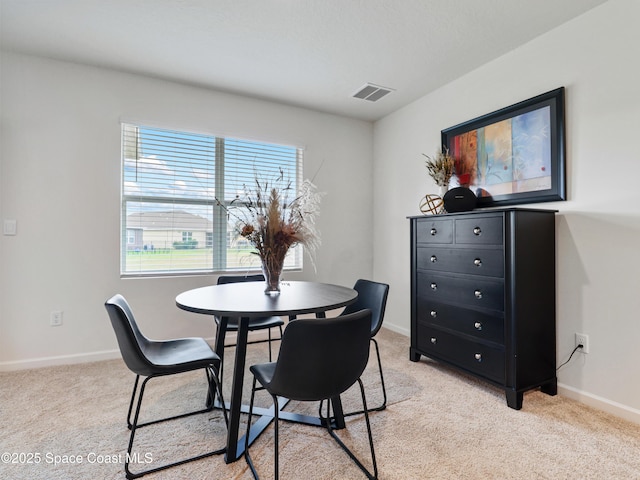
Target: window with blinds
171,223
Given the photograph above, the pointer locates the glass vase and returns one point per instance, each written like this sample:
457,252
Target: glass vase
272,266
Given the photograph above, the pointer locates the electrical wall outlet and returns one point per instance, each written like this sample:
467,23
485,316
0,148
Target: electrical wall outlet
582,339
55,319
9,227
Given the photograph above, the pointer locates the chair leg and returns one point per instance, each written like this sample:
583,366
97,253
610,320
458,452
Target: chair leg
384,390
276,420
272,339
213,376
276,460
276,436
219,348
133,395
221,368
247,457
346,449
134,426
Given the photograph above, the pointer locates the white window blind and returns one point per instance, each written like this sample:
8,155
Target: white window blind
170,181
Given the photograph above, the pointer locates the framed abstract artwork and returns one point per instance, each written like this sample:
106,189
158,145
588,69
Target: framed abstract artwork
514,155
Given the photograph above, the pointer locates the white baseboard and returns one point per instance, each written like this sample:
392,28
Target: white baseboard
609,406
395,328
59,360
42,362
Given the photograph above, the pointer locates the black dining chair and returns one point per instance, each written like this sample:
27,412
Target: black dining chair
319,359
373,296
149,358
260,323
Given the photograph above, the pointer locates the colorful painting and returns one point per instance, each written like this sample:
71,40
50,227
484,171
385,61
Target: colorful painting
514,155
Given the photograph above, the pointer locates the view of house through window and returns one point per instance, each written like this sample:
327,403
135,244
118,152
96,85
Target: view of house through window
171,222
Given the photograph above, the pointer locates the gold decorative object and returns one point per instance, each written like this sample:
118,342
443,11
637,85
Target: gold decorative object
432,204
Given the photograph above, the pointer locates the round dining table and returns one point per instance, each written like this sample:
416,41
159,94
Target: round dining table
245,300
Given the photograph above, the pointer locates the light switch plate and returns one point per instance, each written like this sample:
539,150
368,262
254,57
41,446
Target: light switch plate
9,227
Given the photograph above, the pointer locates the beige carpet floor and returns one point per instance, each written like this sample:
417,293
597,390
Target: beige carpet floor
439,424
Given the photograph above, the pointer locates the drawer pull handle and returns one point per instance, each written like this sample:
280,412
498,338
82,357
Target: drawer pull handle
477,262
434,340
478,294
434,314
478,357
434,231
478,325
477,231
434,259
434,286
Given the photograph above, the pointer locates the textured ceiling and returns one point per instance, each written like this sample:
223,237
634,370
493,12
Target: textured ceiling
309,53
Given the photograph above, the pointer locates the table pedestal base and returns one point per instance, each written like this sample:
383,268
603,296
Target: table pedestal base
267,415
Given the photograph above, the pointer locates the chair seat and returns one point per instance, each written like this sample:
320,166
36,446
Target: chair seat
264,372
180,355
259,323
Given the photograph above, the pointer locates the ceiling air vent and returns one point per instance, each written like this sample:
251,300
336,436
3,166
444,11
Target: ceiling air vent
372,92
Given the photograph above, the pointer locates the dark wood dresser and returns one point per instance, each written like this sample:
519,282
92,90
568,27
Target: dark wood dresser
483,296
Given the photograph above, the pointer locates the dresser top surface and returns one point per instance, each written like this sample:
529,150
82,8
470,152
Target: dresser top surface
486,210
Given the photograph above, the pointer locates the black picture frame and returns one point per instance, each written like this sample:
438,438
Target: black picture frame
514,155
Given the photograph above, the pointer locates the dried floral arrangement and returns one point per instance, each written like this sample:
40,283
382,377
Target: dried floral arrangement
441,167
273,218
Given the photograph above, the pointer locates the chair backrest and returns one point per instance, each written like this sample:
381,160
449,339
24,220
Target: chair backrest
321,358
131,341
240,278
371,295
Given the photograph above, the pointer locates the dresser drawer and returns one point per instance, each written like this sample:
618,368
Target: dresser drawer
489,262
472,356
470,322
434,231
479,231
465,290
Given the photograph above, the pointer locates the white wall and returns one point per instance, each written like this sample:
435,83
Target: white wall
60,179
598,229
